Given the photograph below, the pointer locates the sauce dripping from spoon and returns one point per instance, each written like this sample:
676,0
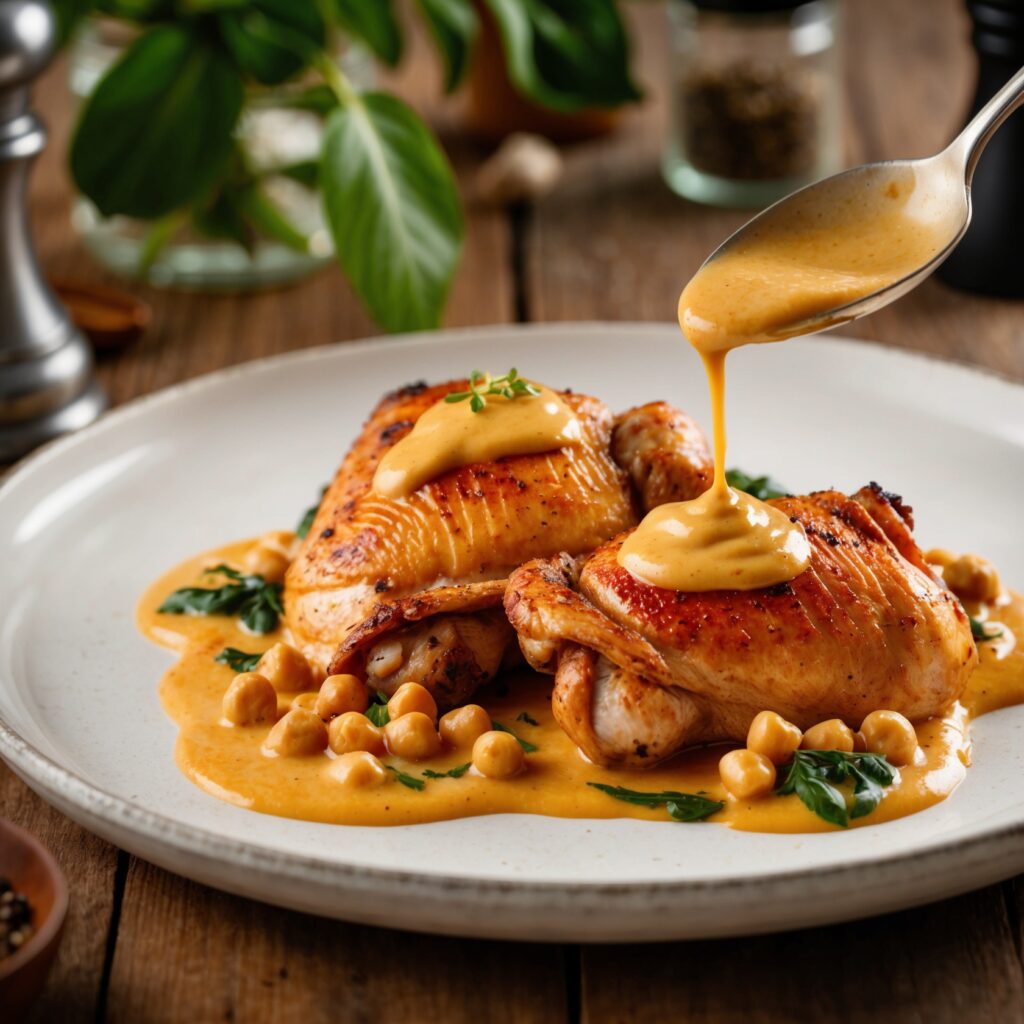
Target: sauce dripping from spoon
821,256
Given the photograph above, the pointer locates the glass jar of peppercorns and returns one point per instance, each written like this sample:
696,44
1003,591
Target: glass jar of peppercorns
755,99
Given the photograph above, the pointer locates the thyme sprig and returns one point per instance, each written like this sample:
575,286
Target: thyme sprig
481,384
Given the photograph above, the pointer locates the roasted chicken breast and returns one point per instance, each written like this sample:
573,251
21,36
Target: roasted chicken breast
642,672
402,589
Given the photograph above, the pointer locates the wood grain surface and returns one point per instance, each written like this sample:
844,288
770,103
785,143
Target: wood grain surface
611,243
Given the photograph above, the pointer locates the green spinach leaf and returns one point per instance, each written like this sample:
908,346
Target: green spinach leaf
452,773
814,776
528,747
240,661
378,712
761,487
409,781
680,806
255,601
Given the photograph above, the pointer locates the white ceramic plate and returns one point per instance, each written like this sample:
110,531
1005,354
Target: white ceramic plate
86,524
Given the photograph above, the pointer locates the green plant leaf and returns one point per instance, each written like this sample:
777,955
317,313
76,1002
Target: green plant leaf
393,210
318,99
271,40
453,24
373,22
222,217
305,172
69,14
566,54
159,127
142,11
264,215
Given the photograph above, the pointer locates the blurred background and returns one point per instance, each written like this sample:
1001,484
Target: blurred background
225,181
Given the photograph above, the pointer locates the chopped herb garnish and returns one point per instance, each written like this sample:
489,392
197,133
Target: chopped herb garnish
254,600
409,781
524,716
680,806
238,660
483,384
980,631
814,774
306,523
762,487
453,773
378,712
527,746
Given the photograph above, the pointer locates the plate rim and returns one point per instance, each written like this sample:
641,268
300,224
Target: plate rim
58,784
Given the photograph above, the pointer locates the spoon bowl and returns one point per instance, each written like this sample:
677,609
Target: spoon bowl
933,192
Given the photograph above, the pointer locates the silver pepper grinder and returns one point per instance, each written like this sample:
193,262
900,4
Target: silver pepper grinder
46,369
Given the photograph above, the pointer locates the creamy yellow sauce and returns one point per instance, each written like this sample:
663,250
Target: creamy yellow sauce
722,540
819,257
811,259
227,761
450,434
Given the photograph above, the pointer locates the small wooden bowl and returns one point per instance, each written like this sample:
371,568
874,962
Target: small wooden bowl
32,871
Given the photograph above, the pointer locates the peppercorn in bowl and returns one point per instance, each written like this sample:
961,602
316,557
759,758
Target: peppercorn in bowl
33,904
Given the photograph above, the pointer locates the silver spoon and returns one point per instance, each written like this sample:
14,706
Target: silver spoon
941,185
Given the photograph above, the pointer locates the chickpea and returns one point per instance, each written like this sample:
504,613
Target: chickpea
385,659
972,578
413,736
339,694
462,727
306,701
746,774
939,557
359,769
287,669
412,697
299,734
889,733
267,562
250,699
834,734
770,734
351,731
498,755
859,743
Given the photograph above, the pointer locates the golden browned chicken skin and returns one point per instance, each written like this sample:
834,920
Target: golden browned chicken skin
411,588
642,672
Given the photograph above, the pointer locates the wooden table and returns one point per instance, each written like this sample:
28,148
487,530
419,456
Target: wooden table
613,243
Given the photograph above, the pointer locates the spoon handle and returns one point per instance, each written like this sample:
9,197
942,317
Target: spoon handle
973,139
